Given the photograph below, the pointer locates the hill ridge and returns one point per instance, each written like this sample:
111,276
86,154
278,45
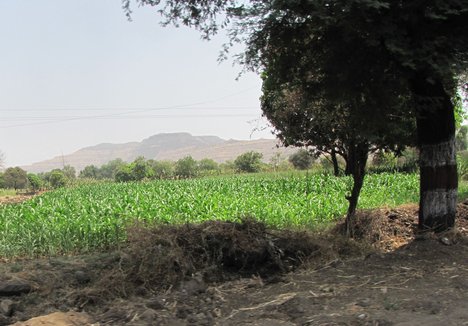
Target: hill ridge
163,146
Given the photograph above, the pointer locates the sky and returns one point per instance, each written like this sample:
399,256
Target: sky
78,73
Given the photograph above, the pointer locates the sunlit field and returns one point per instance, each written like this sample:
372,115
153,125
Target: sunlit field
90,217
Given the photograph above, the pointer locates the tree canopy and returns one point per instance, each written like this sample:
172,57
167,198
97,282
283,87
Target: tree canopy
249,162
15,177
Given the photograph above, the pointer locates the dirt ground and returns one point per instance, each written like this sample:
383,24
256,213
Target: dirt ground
255,276
15,198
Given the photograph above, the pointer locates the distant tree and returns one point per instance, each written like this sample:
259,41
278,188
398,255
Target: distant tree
35,182
276,160
227,167
124,174
302,159
162,169
249,162
15,178
186,167
141,169
2,159
207,166
57,179
461,141
69,172
90,172
109,169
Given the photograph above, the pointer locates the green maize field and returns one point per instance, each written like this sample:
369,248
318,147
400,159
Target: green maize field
91,217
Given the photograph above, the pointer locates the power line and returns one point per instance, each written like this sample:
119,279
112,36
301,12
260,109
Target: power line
129,109
122,114
48,119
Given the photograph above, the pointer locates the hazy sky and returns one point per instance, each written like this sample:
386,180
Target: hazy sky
77,73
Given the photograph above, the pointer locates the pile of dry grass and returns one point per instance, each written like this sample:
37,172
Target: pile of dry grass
165,255
384,228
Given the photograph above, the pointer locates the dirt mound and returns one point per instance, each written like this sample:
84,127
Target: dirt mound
387,229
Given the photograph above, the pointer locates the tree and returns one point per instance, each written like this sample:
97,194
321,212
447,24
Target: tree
109,170
141,169
249,162
90,172
35,183
15,178
124,174
69,172
301,160
162,169
186,167
351,46
57,179
308,118
207,166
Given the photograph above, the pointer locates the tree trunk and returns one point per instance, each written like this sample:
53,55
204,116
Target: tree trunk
336,168
348,164
357,159
438,167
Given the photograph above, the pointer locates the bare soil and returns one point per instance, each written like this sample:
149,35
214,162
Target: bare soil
221,273
15,199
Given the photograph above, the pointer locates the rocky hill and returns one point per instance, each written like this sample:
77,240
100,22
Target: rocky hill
166,146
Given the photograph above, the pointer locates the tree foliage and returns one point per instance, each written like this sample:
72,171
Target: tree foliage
162,169
302,159
90,172
15,178
249,162
186,167
461,140
207,166
57,179
35,182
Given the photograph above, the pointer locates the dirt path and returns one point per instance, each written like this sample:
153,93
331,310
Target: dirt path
423,282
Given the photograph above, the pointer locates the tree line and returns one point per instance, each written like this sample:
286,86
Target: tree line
149,169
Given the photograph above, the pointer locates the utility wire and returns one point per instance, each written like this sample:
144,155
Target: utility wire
122,114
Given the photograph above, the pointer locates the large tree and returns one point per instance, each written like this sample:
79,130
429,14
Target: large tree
304,120
15,177
423,43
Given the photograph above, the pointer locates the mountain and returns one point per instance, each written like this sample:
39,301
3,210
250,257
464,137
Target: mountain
166,146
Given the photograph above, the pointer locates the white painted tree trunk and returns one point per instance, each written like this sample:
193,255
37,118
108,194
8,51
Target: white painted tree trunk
438,187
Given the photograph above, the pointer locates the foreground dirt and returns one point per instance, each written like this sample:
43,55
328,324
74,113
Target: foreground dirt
384,277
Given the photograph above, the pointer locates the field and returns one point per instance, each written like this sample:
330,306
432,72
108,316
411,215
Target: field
230,273
90,217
